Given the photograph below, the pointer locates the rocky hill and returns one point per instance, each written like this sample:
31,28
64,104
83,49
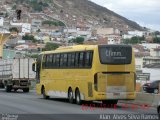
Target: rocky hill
82,12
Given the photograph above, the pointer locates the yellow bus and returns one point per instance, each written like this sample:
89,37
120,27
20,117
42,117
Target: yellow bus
87,72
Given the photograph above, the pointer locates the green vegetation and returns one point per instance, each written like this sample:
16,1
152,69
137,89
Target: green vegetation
32,55
29,37
133,40
50,23
156,33
78,40
50,46
37,6
156,40
1,13
14,7
14,29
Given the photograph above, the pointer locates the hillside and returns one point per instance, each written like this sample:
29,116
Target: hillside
84,12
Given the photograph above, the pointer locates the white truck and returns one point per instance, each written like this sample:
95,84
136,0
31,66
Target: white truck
16,74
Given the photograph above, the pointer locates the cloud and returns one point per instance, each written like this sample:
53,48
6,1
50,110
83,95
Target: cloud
142,11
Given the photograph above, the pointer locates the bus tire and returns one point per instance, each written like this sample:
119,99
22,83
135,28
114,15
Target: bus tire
78,97
70,96
110,102
44,93
8,88
26,90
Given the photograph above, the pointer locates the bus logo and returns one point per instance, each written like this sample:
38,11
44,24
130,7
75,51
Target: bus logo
110,53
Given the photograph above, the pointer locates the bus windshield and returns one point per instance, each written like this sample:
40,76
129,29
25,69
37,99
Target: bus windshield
115,54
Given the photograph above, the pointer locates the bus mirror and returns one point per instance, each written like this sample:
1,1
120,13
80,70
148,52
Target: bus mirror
34,67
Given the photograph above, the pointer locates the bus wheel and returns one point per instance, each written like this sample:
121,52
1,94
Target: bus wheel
70,96
44,94
78,97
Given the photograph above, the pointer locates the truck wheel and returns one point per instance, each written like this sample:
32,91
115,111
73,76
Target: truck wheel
26,90
8,88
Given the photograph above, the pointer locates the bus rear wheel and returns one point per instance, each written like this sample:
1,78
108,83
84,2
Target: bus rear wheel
70,96
78,97
44,94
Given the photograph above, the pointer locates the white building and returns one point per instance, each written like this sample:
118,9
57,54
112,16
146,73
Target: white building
26,28
139,62
1,21
114,39
2,30
126,36
107,31
36,24
77,32
150,45
86,34
136,33
155,52
15,24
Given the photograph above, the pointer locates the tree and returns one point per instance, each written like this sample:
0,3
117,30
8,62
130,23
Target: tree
14,7
134,40
50,23
14,29
51,46
29,37
78,40
156,40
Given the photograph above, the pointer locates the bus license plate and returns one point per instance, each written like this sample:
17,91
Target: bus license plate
116,94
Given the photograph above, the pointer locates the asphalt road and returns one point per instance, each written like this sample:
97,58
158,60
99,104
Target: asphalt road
29,106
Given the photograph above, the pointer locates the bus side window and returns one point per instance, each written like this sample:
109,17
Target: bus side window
86,61
73,60
69,60
81,59
44,62
57,62
61,60
53,61
50,61
47,62
90,58
76,59
65,60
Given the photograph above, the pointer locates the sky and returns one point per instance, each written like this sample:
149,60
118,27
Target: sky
144,12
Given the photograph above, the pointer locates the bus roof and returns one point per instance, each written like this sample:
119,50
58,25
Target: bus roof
71,48
76,48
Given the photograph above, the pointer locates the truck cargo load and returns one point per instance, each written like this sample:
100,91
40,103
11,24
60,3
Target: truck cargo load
16,74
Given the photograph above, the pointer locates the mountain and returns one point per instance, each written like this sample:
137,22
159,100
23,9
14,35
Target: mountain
83,12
